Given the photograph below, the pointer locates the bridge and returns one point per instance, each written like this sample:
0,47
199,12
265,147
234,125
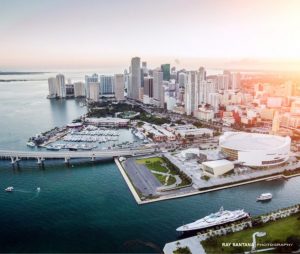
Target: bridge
40,156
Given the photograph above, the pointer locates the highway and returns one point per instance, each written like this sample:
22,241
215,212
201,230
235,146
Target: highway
15,155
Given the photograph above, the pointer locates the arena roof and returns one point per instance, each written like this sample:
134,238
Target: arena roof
251,141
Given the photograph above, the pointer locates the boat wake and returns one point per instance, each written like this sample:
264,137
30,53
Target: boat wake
23,191
38,190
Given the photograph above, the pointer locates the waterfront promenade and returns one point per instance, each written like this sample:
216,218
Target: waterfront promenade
15,155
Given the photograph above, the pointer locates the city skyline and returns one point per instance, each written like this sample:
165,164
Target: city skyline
97,34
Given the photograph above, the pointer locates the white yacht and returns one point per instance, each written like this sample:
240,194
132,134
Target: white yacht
9,189
214,219
264,196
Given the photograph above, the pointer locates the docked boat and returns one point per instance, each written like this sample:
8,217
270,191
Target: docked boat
30,144
9,189
265,197
53,148
214,219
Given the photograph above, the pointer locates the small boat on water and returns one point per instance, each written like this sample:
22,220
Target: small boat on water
38,189
30,144
53,148
265,197
9,189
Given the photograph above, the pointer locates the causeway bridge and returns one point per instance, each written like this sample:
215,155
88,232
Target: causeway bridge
40,156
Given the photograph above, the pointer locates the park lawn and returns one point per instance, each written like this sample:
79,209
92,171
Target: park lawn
154,163
160,178
171,180
277,231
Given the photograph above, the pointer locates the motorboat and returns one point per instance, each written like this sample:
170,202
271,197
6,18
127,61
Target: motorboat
53,148
215,219
30,144
264,197
9,189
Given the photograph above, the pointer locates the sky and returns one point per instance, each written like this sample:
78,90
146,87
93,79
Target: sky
54,34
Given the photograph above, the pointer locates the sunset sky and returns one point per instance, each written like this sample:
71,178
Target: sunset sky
52,34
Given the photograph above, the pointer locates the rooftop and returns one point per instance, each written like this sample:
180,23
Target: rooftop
252,141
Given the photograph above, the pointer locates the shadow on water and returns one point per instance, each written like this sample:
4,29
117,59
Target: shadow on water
135,244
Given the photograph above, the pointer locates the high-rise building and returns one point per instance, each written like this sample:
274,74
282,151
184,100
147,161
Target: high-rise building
166,71
205,88
182,79
106,85
191,93
52,85
135,83
61,85
79,90
202,74
94,91
119,84
144,68
223,82
90,79
158,89
69,90
214,99
148,86
276,123
235,81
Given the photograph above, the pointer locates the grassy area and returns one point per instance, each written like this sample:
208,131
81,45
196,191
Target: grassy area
155,163
277,232
171,180
182,250
160,178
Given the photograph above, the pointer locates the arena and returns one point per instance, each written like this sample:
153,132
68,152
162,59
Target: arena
254,149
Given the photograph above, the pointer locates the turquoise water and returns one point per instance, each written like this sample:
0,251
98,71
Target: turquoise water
87,207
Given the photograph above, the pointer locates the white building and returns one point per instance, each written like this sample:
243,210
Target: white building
61,85
255,150
204,114
90,79
52,85
94,91
217,168
79,89
235,81
191,93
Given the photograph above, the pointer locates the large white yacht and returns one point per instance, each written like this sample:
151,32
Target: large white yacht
214,219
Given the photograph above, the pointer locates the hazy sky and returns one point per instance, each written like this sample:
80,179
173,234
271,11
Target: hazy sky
102,33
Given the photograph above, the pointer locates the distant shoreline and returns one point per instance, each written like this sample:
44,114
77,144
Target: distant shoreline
22,72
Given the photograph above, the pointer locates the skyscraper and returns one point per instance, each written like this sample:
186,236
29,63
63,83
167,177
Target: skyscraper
52,85
119,84
191,93
106,85
148,86
135,83
90,79
276,123
182,79
79,90
158,89
61,85
94,91
235,81
202,74
166,71
205,88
